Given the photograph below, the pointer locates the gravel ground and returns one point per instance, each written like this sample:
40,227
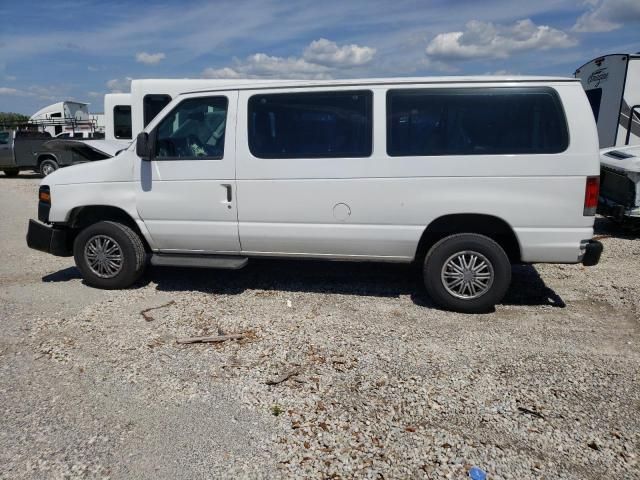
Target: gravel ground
380,384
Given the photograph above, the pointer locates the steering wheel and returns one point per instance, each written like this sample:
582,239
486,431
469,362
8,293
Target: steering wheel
166,148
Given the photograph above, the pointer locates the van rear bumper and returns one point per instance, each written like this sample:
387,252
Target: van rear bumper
592,253
53,240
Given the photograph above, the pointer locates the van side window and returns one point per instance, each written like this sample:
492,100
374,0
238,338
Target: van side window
311,124
475,121
4,138
122,121
194,129
152,105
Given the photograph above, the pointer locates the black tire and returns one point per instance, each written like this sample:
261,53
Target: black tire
11,172
130,247
47,166
466,244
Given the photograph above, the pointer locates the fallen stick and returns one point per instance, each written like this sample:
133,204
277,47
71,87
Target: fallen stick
145,312
284,376
213,339
528,411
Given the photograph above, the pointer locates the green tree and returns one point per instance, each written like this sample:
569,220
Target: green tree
10,118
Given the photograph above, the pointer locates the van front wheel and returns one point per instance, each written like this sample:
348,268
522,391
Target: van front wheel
109,255
467,273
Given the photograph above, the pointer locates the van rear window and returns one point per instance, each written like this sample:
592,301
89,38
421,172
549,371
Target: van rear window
475,121
311,124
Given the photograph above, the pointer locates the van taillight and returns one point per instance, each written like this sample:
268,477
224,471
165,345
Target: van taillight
591,196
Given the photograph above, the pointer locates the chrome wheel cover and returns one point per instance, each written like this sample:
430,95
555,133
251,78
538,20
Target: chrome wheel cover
103,256
48,169
467,275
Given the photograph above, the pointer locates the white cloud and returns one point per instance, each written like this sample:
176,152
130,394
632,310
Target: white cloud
150,58
320,60
13,92
35,91
261,65
119,85
607,15
328,53
487,40
91,68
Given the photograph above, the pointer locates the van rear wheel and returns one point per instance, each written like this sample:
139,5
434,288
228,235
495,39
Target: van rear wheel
467,273
109,255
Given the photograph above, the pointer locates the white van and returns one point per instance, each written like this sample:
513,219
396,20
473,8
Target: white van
463,175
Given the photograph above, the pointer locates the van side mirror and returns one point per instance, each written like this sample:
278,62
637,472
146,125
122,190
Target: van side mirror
143,147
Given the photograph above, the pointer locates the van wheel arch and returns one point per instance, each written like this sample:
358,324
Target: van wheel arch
488,225
83,217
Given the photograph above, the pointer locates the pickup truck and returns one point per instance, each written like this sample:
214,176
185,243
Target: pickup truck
25,150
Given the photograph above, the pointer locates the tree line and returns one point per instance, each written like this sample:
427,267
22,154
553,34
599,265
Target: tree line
11,117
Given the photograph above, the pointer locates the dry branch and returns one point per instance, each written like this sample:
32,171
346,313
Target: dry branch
149,318
284,376
213,339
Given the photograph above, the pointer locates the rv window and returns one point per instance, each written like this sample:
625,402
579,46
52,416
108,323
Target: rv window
475,121
58,128
122,121
194,129
153,105
595,97
311,125
4,138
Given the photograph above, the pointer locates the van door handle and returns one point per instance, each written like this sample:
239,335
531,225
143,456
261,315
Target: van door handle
229,192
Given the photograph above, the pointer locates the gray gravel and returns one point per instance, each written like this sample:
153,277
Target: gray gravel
385,385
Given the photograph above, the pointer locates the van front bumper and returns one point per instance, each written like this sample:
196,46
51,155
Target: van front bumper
49,239
592,253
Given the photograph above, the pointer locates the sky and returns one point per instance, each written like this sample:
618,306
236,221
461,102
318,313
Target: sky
82,49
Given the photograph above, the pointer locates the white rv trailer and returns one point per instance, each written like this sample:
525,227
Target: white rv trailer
68,119
612,84
66,112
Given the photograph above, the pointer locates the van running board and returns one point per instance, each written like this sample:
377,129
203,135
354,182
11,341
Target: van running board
199,261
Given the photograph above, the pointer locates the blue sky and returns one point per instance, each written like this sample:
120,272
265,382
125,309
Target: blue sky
82,49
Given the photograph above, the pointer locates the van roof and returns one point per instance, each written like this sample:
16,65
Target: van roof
251,84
